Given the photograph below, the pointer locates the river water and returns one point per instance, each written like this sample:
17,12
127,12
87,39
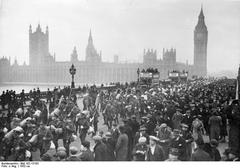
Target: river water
27,87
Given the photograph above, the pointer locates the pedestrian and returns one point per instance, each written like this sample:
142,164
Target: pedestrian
122,145
178,142
233,115
199,154
164,134
214,153
215,123
177,119
140,149
155,151
110,144
141,133
86,153
187,136
100,149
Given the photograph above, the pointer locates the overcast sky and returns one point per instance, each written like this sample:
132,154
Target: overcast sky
123,27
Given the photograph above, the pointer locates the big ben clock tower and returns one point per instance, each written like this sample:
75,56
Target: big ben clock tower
200,47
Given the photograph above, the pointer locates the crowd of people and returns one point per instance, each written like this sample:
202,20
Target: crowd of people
172,122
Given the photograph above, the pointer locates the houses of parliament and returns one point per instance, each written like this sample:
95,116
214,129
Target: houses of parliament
43,67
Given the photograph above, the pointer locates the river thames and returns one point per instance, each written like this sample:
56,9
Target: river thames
27,87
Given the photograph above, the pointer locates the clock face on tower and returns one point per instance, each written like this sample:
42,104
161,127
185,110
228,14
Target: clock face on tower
199,35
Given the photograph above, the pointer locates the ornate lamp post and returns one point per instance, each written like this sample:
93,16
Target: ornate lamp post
138,72
72,71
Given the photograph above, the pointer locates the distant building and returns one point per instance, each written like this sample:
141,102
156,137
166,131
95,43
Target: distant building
200,46
43,67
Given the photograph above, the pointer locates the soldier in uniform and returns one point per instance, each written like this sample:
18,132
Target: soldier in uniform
83,124
68,131
44,138
109,115
56,129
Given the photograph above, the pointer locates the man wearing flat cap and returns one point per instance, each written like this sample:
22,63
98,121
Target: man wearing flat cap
155,151
44,138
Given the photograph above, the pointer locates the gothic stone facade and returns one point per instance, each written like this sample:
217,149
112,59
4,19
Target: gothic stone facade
43,67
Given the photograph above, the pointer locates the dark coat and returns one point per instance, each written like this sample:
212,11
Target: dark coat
200,155
110,150
100,151
180,144
115,135
158,154
122,147
87,156
187,120
139,152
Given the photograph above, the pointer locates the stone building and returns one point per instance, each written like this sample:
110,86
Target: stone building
200,46
43,67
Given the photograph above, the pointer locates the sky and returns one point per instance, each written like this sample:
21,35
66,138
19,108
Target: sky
123,28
